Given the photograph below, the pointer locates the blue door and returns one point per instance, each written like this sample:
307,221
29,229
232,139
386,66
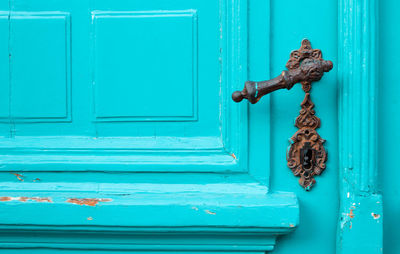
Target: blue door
118,132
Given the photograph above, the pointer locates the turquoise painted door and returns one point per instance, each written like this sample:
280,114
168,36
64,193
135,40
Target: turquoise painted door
118,132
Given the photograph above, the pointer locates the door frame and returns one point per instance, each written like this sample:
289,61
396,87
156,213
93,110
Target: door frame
360,215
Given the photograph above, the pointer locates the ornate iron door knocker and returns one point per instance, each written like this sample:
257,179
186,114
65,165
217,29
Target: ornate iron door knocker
306,155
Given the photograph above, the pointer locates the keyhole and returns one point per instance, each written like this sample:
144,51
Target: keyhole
307,154
307,158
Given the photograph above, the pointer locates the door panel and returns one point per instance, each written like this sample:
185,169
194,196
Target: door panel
4,72
144,83
46,98
120,132
164,75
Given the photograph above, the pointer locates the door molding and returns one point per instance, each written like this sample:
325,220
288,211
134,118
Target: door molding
360,218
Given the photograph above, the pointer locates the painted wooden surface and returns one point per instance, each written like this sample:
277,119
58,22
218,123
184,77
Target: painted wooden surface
389,123
291,22
361,215
118,134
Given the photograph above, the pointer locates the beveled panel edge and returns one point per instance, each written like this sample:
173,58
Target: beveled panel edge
49,14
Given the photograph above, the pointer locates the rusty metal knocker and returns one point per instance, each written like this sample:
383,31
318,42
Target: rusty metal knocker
306,155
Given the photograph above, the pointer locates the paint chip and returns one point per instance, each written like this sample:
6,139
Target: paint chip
351,214
89,218
37,199
87,201
24,199
375,216
19,176
209,212
195,208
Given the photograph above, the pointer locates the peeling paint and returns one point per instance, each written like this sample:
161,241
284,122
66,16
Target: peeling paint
375,216
209,212
37,199
87,201
24,199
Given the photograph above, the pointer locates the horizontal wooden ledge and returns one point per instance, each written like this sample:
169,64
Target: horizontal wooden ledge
144,216
60,143
118,154
212,207
135,162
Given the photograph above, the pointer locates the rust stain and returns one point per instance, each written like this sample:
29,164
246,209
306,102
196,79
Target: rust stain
209,212
19,176
36,179
24,199
375,216
233,155
87,201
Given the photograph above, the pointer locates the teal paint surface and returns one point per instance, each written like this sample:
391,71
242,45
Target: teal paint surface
291,22
137,93
361,216
389,123
122,135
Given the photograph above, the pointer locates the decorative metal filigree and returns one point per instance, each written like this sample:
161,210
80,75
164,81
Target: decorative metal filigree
306,155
